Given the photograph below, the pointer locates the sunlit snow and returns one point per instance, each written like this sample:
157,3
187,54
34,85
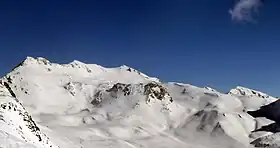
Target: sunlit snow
80,105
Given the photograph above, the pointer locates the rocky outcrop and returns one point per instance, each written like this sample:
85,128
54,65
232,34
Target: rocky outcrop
269,141
150,90
120,87
155,90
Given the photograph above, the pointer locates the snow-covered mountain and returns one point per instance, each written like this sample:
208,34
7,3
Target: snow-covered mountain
86,105
251,99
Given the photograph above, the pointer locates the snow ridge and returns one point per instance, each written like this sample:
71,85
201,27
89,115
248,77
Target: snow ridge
243,91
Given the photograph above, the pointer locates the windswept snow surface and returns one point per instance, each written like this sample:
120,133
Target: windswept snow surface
80,105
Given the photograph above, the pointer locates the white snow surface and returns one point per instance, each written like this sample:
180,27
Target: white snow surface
252,99
80,105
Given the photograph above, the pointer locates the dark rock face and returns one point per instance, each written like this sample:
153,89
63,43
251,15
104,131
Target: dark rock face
258,143
129,69
9,89
265,142
97,99
270,111
70,87
273,127
125,88
153,90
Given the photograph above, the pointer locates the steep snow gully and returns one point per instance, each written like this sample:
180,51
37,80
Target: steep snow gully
78,105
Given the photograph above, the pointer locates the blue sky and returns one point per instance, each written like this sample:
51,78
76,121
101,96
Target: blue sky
191,41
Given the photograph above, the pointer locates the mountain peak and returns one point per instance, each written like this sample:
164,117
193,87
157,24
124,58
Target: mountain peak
38,60
76,62
32,61
127,68
124,66
243,91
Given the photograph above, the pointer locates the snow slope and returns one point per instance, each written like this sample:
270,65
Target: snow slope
17,128
87,105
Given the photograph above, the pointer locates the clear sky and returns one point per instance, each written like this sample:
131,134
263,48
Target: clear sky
190,41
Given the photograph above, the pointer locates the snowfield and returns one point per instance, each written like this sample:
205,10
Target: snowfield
78,105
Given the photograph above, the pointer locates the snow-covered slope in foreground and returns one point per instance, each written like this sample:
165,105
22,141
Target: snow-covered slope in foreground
86,105
17,128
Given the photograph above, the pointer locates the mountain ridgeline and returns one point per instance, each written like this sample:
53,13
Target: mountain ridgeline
78,105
